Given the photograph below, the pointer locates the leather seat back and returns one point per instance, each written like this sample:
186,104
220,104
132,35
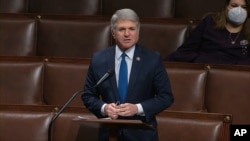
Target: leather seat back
21,82
24,123
149,8
69,37
62,79
17,35
188,126
14,6
228,91
79,7
188,83
163,36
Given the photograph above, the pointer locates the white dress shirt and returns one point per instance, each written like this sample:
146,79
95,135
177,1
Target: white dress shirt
129,60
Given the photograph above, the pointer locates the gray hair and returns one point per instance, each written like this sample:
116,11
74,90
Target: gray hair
124,14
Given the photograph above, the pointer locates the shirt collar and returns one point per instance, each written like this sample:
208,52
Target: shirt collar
129,52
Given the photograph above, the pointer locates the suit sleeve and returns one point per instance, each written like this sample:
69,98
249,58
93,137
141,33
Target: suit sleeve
163,94
91,97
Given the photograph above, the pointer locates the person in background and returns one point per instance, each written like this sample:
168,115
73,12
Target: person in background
222,38
138,90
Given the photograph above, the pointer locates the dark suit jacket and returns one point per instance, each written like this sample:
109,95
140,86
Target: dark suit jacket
149,85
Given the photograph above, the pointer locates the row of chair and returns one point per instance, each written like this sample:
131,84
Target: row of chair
45,51
34,88
194,9
196,87
31,123
81,36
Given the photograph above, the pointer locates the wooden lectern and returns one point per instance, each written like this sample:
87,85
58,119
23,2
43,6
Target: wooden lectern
113,125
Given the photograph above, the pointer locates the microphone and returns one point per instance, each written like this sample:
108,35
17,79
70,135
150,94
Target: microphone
103,78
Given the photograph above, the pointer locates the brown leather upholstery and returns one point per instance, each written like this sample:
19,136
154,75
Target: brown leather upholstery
196,9
81,36
17,35
144,8
83,7
192,9
188,83
171,125
21,82
186,126
52,81
72,38
63,79
66,129
30,80
222,89
24,123
13,6
163,36
228,91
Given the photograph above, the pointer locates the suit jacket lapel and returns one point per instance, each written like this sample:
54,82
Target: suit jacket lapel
110,59
136,65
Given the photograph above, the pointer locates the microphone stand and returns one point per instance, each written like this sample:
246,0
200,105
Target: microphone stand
60,111
103,78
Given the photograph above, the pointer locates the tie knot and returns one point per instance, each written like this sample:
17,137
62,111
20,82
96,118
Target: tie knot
123,55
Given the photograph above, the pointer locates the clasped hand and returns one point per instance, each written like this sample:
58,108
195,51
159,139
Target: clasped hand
126,109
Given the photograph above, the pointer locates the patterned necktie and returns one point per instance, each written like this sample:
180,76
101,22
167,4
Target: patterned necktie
123,79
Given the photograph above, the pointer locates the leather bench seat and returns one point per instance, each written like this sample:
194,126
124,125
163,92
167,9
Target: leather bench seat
192,9
151,8
79,36
24,123
200,89
228,91
196,87
60,36
163,36
62,78
189,126
17,35
14,6
66,129
188,82
21,82
79,7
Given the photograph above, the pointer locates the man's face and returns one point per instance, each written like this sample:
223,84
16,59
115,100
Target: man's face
126,34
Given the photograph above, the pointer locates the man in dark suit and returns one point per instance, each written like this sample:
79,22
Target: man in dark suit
139,89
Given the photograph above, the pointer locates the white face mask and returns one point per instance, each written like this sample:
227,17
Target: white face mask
237,15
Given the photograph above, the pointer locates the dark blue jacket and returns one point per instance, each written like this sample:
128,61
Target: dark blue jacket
149,85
